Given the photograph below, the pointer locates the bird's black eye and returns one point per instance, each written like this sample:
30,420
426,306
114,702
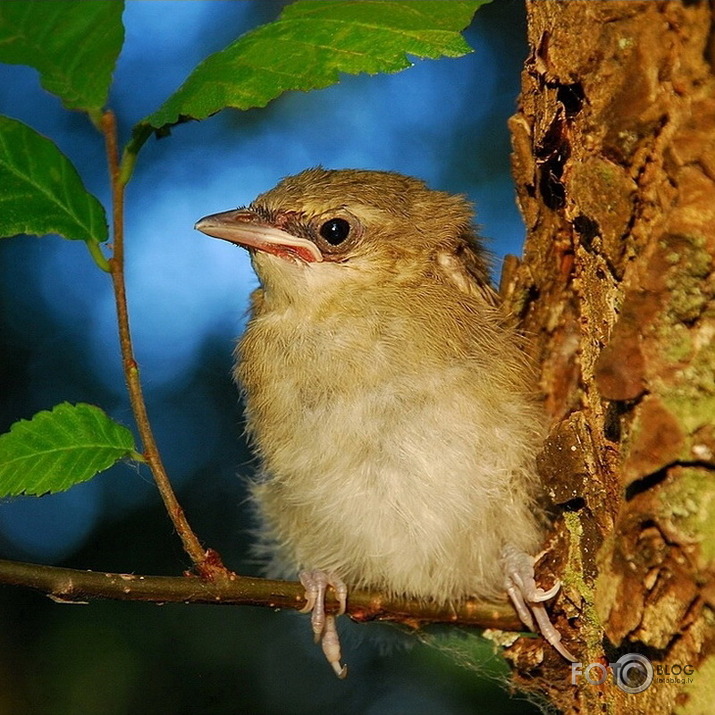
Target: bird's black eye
335,231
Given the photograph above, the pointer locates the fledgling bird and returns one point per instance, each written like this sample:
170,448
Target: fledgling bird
386,396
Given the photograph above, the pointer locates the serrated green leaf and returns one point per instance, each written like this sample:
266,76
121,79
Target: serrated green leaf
60,448
310,44
74,45
41,190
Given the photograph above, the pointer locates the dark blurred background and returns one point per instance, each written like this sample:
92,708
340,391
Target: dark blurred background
444,121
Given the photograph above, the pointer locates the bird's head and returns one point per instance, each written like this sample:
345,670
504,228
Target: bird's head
331,226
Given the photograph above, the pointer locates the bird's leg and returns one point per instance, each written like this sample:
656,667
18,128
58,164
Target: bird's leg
528,598
324,629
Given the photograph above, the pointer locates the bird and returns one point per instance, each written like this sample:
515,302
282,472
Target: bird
388,398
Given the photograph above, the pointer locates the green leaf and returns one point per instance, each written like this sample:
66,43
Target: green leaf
74,45
310,44
41,190
60,448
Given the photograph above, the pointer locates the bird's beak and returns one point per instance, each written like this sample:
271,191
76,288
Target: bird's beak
246,228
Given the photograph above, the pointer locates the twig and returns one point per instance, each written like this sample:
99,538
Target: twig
207,563
70,585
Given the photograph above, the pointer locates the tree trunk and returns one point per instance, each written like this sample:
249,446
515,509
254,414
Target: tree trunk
614,160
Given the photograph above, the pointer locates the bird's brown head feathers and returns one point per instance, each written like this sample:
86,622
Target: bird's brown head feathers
371,221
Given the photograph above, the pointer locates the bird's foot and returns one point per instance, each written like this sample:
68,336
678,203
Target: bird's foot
323,625
528,598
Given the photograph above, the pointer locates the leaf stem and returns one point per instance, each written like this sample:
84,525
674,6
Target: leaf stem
99,258
140,134
206,562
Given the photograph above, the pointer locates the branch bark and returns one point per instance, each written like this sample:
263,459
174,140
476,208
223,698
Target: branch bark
74,586
614,160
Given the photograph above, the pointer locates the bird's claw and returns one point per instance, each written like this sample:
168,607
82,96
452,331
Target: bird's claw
540,595
323,625
528,598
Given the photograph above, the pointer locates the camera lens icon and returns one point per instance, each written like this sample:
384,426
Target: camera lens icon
633,673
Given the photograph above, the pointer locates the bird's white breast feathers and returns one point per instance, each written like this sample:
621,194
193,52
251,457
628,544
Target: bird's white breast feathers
396,460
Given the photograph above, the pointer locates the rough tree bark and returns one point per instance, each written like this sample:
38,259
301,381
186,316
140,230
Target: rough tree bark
614,160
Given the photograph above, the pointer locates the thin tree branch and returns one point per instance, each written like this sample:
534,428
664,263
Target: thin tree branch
206,562
70,585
